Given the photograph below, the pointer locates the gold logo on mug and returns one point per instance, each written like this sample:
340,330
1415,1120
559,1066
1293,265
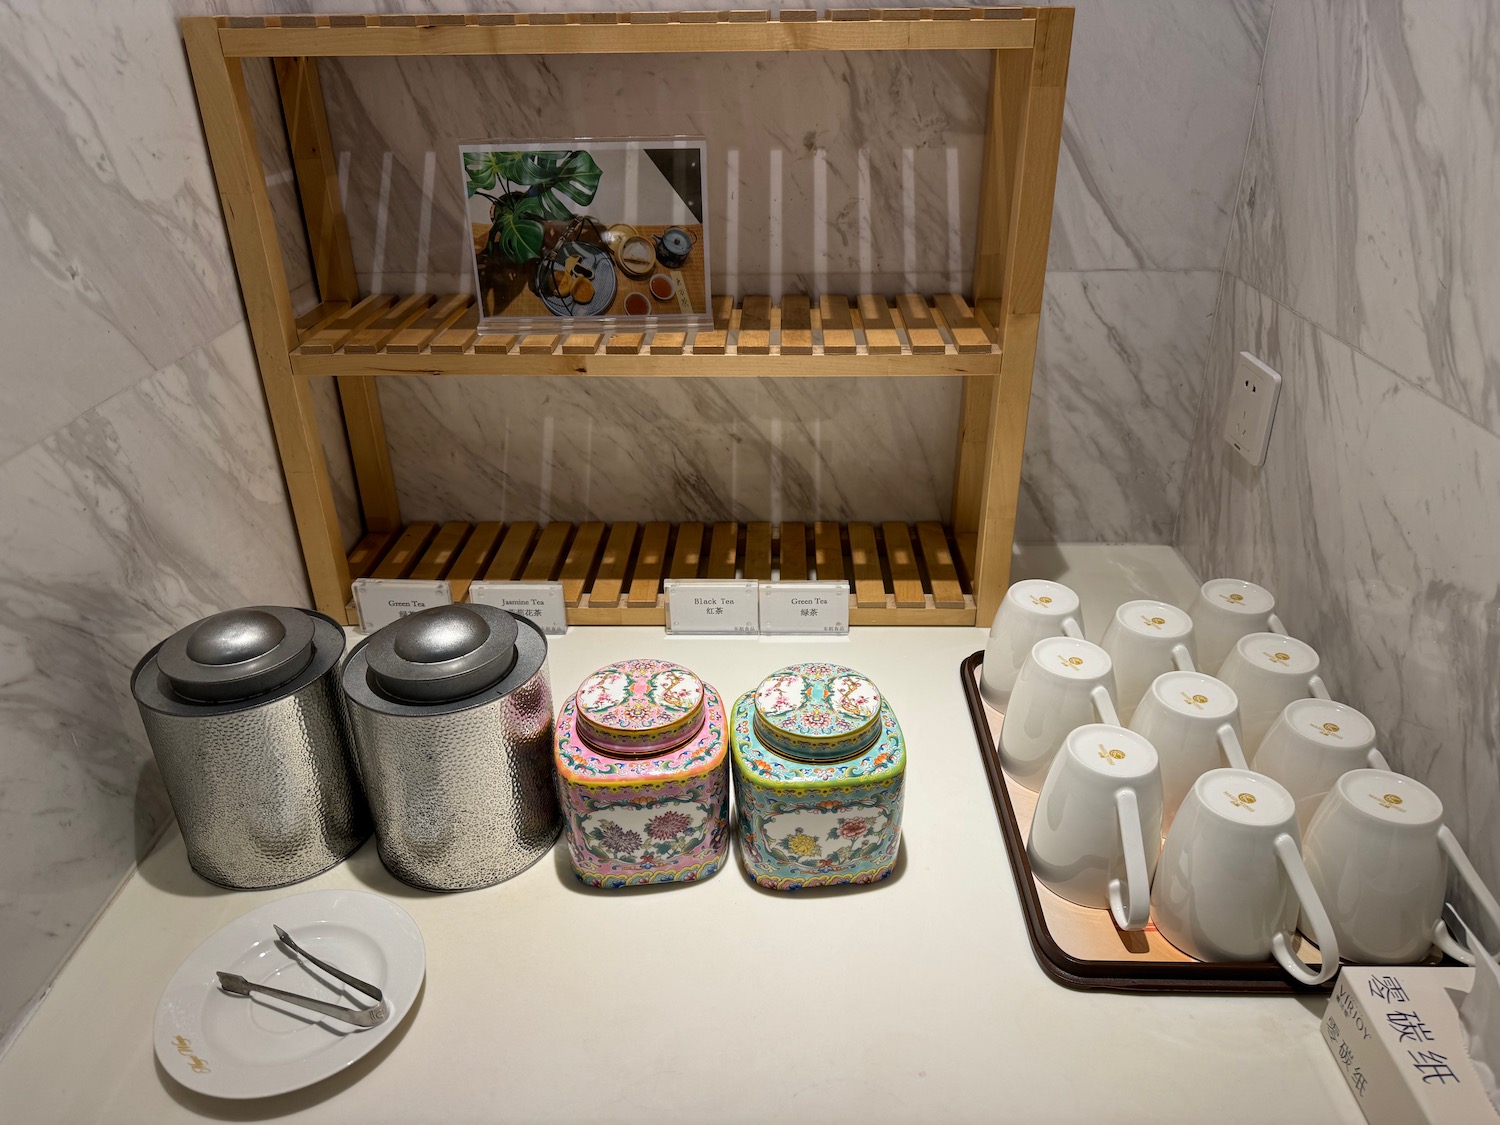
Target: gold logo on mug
1111,756
185,1048
1233,599
1043,600
1328,730
1389,801
1194,700
1278,657
1242,801
1153,622
1071,663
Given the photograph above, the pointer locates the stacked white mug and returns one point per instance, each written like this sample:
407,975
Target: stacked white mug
1030,611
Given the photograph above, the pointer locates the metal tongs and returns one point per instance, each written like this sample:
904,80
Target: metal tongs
359,1017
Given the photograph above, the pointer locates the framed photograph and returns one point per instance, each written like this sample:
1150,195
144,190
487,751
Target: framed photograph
591,232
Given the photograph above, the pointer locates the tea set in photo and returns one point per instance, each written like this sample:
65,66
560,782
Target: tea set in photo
1244,815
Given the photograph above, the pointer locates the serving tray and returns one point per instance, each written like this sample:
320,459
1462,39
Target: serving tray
1080,947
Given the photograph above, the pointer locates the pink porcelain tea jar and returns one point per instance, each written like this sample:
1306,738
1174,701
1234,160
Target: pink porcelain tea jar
643,774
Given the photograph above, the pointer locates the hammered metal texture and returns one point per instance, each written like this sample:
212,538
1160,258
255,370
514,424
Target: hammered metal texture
267,795
463,799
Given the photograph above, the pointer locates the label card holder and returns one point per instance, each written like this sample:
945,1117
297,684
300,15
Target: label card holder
820,608
541,603
705,606
379,601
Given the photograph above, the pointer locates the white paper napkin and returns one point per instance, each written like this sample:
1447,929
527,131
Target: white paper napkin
1479,1014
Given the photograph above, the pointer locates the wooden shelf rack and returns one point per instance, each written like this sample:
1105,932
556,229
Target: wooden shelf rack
612,574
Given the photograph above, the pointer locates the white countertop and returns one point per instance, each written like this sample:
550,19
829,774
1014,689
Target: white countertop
913,999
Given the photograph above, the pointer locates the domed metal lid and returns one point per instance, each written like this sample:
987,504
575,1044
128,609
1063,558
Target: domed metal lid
237,654
817,712
639,707
444,653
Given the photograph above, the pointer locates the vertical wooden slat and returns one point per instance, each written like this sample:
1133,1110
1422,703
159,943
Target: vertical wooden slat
369,551
445,544
906,580
793,555
869,586
921,328
669,343
838,325
758,551
881,337
579,564
650,561
473,558
687,555
755,327
512,553
229,127
458,338
946,591
316,167
546,559
612,565
401,558
722,551
1021,297
829,552
968,337
713,342
796,325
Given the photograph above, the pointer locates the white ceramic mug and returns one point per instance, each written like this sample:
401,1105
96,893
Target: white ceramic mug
1313,743
1097,829
1145,639
1063,684
1030,611
1378,853
1267,671
1193,721
1230,878
1227,609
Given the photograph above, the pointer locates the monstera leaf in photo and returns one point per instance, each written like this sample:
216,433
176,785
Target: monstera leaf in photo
526,190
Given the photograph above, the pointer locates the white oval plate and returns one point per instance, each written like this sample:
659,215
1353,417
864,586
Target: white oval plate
254,1046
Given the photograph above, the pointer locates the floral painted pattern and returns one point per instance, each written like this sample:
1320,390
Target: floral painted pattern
668,826
755,757
637,704
800,844
615,839
578,762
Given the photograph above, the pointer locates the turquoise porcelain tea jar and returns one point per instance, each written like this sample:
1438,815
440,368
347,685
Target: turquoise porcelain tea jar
819,772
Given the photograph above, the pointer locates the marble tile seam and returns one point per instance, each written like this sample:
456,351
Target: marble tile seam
6,460
1357,350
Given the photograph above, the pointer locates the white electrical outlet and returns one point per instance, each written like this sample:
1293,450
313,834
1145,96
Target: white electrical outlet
1252,407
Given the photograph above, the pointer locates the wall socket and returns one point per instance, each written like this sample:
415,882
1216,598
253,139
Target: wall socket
1252,407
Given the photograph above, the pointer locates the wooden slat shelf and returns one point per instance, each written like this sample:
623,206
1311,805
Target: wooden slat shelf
559,33
613,574
927,574
426,335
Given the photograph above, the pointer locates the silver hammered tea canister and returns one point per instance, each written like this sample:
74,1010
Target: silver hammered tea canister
451,711
244,715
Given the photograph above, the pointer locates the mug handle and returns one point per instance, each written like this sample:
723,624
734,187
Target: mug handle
1131,904
1104,706
1316,685
1440,935
1229,743
1182,658
1276,625
1071,628
1377,760
1313,915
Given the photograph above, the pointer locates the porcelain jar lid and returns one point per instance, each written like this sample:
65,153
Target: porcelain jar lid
237,654
817,712
444,653
639,708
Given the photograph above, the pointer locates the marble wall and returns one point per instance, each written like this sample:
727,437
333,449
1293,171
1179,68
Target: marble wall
1362,267
843,173
139,489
